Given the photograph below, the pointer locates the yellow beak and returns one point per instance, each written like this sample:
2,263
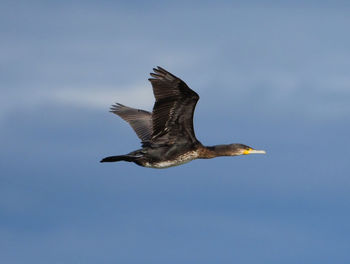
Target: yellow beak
253,151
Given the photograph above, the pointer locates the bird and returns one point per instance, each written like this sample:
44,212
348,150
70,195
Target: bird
167,134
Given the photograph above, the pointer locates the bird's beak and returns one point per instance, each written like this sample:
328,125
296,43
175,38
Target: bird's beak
254,151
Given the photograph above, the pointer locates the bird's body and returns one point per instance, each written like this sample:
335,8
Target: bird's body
167,134
177,158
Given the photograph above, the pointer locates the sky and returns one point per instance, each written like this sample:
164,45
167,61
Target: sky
273,75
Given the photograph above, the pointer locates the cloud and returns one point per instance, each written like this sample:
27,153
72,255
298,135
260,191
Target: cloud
291,65
92,97
136,96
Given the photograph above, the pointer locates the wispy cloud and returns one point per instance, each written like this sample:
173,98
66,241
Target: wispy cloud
136,96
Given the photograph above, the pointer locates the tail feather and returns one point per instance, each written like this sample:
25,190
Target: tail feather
118,158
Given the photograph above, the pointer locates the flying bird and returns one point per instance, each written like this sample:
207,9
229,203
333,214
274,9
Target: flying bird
167,135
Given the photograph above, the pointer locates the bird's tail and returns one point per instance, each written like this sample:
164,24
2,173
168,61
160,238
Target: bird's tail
118,158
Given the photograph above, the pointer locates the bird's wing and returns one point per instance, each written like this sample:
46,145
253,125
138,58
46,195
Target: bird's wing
172,115
139,120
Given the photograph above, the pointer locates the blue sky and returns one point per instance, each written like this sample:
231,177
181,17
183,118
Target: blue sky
275,76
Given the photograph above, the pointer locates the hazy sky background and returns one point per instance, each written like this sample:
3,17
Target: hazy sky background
273,75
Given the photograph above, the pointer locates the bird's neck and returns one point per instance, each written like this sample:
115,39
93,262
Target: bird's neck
208,152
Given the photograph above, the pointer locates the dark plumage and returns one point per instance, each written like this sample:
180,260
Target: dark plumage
167,134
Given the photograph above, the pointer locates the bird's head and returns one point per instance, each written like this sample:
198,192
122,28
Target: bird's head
241,149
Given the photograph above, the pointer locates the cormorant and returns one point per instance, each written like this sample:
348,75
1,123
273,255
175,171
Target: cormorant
167,134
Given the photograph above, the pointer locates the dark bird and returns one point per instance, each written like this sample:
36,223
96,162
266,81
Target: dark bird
167,134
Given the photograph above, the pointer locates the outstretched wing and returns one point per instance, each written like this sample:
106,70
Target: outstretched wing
172,115
139,120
